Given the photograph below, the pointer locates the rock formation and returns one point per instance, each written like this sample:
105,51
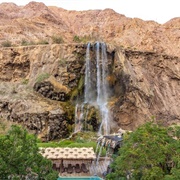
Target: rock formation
37,23
40,84
54,73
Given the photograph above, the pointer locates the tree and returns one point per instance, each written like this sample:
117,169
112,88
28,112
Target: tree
152,152
20,157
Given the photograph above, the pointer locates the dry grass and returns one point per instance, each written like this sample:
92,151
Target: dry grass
5,126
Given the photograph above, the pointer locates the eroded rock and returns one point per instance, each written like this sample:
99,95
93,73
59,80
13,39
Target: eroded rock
143,85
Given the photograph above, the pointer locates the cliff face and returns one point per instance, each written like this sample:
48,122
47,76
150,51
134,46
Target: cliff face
40,84
147,86
51,71
102,25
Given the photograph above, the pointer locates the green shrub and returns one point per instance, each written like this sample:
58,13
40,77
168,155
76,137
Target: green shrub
42,77
6,43
150,152
67,143
42,41
62,62
83,39
77,39
57,39
52,175
48,144
27,43
25,81
20,158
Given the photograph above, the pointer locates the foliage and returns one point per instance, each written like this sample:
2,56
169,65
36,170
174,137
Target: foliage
42,77
82,39
42,41
77,39
77,90
25,81
62,62
5,125
81,139
57,39
24,42
150,153
19,157
67,143
6,43
27,43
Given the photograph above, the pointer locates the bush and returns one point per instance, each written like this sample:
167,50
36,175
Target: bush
20,157
150,152
25,81
42,42
57,39
83,39
6,44
77,39
67,143
42,77
27,43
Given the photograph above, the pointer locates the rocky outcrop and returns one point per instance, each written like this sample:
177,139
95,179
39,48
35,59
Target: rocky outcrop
40,86
37,83
36,23
55,91
146,88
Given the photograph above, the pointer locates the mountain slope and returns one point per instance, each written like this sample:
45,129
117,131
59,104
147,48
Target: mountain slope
35,22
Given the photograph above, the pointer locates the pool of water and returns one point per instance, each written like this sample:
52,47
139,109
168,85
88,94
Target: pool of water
80,178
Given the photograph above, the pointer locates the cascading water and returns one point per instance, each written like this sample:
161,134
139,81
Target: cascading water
88,88
78,117
96,88
102,87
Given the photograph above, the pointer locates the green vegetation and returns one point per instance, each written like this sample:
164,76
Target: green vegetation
57,39
42,77
82,39
85,139
42,41
152,152
77,39
81,139
20,158
62,62
67,143
25,81
78,90
24,42
6,43
5,126
27,43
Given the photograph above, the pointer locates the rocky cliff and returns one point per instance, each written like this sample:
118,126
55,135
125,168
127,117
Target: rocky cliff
40,84
37,23
147,86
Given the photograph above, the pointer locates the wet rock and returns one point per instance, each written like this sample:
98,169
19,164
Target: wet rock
143,85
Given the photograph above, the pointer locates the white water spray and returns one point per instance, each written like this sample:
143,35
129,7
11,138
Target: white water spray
102,87
96,88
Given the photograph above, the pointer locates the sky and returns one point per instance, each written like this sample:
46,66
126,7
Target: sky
160,11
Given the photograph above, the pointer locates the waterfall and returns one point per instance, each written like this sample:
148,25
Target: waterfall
102,87
96,88
78,117
99,80
100,151
80,110
88,87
